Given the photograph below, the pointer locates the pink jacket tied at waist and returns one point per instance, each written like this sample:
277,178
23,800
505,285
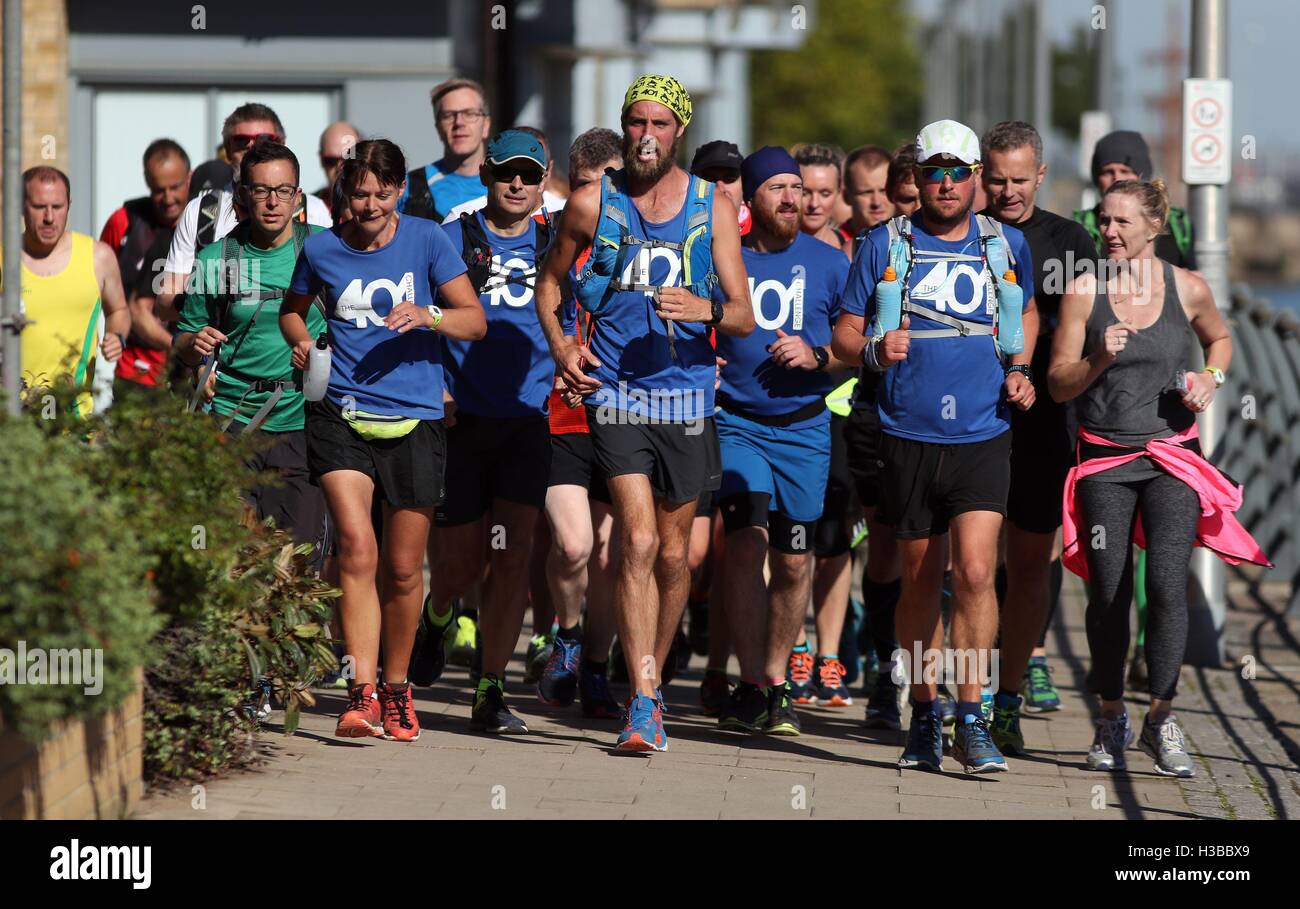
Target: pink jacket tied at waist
1218,530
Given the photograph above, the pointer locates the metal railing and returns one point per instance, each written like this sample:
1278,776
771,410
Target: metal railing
1260,447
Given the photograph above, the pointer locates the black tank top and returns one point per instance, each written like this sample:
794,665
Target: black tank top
1137,398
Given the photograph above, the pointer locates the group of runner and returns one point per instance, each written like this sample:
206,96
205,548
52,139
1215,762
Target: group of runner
649,399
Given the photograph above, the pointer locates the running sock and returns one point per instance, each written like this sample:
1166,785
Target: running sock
922,706
827,657
487,681
880,602
591,667
571,635
1004,697
439,621
801,648
969,708
775,681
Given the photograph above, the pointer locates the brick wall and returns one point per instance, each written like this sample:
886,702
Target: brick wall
90,769
45,84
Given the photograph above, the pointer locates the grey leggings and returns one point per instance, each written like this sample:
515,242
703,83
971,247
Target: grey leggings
1170,511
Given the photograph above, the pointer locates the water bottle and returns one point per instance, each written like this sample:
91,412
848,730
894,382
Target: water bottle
316,378
1011,304
1181,383
889,302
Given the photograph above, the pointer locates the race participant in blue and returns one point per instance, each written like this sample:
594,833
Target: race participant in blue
661,240
460,115
499,446
774,430
948,296
378,432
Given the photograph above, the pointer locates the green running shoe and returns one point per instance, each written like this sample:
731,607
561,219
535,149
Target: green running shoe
746,711
537,656
1040,694
1006,725
781,718
462,641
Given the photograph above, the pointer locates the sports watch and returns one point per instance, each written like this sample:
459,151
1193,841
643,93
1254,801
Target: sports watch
435,313
821,356
717,313
1020,368
1217,375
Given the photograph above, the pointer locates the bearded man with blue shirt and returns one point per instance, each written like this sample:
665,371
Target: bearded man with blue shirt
774,431
943,402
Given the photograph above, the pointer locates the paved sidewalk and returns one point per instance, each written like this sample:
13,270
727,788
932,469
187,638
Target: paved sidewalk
1243,731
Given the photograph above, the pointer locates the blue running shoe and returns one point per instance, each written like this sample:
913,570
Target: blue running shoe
559,682
924,750
973,746
593,692
660,710
644,722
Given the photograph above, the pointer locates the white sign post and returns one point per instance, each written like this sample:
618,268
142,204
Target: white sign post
1207,131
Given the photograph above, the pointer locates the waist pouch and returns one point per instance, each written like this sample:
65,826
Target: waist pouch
807,412
370,426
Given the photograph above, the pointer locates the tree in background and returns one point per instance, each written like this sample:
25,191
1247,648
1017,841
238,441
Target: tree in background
1072,65
857,79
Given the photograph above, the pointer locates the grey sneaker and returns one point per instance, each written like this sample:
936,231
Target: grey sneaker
1114,734
1167,745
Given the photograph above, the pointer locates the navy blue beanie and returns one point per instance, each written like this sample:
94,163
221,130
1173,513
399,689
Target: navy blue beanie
763,165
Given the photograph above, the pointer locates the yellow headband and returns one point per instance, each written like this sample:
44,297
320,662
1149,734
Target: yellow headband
664,89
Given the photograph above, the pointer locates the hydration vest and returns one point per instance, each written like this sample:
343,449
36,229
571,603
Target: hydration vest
476,251
419,201
995,259
1180,226
614,247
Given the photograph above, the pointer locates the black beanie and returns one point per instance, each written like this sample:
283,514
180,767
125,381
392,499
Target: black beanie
1123,146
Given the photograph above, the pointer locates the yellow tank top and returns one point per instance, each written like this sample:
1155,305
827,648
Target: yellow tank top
63,334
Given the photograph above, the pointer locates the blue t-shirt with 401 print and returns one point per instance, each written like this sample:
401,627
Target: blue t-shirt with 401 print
373,368
948,389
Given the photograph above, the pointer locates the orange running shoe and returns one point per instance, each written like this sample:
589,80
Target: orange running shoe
800,672
361,717
831,690
400,724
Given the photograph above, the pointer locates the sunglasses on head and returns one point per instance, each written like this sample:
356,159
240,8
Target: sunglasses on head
504,173
934,173
245,140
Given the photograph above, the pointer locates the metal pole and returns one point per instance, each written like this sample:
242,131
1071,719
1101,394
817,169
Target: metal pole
1101,62
1209,211
1042,95
10,319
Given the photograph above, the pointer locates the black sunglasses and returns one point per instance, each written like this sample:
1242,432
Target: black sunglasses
504,173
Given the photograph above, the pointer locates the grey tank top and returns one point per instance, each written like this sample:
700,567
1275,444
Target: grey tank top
1137,398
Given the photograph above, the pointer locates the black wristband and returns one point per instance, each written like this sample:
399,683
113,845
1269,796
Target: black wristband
1020,368
717,313
822,357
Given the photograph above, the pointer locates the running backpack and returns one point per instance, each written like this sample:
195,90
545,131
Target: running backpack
613,248
419,201
995,257
476,251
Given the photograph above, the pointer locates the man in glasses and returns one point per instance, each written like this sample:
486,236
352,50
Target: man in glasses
945,432
460,114
210,216
551,202
499,447
336,144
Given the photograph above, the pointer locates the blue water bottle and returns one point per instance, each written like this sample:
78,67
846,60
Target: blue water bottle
889,302
1011,305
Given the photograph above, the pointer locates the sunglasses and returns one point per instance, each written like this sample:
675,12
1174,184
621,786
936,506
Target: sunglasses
933,173
328,161
503,173
245,140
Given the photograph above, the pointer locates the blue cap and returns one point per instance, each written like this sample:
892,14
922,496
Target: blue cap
763,165
510,144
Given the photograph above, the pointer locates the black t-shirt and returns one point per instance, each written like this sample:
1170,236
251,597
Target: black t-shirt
1061,249
152,268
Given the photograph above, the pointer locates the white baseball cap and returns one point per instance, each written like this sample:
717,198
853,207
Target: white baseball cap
948,137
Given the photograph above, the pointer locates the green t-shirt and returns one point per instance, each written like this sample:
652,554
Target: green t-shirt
259,352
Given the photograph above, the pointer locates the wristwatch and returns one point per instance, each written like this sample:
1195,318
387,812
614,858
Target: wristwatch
717,313
1020,368
435,313
821,356
1217,375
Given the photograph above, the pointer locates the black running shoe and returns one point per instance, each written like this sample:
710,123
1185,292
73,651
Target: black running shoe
781,717
491,714
746,711
429,655
882,708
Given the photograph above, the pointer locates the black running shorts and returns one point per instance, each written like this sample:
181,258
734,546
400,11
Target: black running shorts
682,460
573,463
494,458
924,484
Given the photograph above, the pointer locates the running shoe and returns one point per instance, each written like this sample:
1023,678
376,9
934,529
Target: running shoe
400,722
593,692
924,748
362,717
490,713
1165,742
258,707
799,673
463,640
715,691
698,636
332,679
746,710
850,654
882,707
1041,695
781,716
1114,734
946,705
538,656
831,690
659,717
558,685
973,747
643,731
429,655
1006,725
